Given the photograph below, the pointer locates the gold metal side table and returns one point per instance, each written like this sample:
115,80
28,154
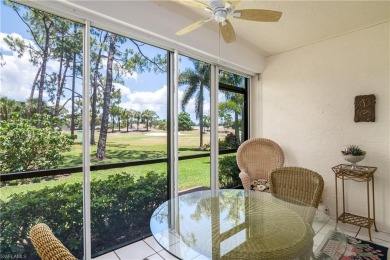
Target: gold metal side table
359,174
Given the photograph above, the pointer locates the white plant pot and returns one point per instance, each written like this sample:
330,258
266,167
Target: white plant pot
353,159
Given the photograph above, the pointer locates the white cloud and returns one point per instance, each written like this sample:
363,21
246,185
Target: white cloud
142,100
17,74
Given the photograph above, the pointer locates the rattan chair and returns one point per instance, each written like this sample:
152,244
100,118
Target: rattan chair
256,158
47,245
297,183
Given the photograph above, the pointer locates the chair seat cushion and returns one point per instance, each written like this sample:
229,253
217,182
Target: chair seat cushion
260,185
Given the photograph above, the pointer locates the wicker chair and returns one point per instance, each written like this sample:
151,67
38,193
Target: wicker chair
47,245
256,158
297,183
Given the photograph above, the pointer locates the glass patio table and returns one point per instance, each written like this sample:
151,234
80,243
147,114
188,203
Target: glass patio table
239,224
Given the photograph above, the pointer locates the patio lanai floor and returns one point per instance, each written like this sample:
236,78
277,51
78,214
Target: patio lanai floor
149,249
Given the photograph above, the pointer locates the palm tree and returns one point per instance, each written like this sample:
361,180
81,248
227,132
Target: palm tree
126,117
137,116
147,116
132,113
235,104
196,79
235,101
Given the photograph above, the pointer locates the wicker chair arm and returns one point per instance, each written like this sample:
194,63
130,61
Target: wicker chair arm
47,245
246,180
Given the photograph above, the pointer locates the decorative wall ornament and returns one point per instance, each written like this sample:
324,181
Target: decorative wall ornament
365,108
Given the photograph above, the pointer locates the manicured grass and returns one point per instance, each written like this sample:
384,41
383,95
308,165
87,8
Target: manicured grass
132,146
124,147
192,173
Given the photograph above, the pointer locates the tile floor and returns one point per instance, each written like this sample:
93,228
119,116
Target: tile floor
151,250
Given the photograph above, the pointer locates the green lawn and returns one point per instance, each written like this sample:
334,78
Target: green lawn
192,173
124,147
132,146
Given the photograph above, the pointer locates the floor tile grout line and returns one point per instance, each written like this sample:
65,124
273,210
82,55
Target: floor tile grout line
155,252
117,255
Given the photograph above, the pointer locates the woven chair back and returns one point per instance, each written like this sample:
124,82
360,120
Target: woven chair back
297,183
47,245
258,157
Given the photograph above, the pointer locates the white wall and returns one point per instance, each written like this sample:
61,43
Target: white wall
306,104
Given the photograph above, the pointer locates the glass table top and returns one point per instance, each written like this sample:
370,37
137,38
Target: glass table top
239,224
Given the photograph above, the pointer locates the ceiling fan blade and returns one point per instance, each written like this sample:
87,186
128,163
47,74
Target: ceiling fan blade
227,32
258,15
193,26
232,2
192,3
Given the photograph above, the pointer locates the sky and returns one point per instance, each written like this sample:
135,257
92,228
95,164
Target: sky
140,91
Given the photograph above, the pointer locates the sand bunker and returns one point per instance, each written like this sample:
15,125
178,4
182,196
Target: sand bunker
161,134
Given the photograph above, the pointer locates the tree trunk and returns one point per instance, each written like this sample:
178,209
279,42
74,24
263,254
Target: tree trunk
113,124
201,115
94,93
35,83
101,149
59,83
44,63
237,127
72,126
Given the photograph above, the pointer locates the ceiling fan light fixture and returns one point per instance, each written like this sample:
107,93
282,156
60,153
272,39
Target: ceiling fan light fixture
220,15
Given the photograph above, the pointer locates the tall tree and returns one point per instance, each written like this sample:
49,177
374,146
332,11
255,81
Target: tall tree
196,80
98,45
101,150
121,60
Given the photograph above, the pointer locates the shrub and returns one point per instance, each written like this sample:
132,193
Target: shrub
24,146
228,172
120,211
230,142
184,122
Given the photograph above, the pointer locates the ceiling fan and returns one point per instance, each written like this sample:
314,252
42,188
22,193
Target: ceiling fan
221,10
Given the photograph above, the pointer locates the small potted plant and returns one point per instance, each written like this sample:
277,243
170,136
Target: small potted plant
353,154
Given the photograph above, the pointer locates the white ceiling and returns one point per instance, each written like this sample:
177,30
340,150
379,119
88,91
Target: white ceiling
302,22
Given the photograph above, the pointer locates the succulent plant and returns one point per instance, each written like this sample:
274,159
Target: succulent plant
353,150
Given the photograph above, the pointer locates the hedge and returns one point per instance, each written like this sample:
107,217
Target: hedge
228,173
120,211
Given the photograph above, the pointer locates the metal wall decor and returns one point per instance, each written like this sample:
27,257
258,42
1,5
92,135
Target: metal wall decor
365,108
